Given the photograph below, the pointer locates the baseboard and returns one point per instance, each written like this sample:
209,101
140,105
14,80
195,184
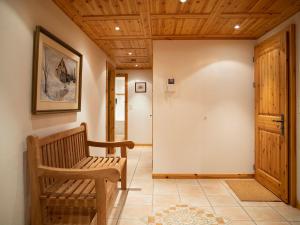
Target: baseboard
143,145
201,176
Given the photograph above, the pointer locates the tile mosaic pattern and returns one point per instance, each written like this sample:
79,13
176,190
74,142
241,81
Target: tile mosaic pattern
185,215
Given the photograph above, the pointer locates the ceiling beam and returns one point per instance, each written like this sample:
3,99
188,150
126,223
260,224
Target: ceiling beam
110,17
131,56
179,16
119,37
202,37
248,15
206,15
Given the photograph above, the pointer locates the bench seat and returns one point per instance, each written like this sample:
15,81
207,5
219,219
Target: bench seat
79,192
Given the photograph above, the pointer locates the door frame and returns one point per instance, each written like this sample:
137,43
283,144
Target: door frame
292,161
109,95
125,75
291,32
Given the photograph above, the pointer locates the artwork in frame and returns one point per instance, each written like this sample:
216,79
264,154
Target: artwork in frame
57,75
140,87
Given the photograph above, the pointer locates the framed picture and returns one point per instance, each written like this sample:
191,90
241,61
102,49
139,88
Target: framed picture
57,75
140,87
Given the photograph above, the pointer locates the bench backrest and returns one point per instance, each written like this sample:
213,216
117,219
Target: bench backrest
64,150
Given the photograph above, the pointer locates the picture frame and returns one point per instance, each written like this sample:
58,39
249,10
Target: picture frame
57,75
140,87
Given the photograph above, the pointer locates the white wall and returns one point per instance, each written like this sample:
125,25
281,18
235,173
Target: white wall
207,126
293,20
139,107
18,19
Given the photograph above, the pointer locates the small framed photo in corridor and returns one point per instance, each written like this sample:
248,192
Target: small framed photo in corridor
140,87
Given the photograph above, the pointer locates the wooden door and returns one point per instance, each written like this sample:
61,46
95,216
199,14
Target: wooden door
271,125
110,112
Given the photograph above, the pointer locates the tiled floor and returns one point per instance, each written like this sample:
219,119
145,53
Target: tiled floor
146,196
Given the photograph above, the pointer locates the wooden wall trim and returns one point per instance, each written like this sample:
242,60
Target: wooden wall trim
143,145
292,117
201,176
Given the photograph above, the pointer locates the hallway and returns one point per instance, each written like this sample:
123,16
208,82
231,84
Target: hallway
147,195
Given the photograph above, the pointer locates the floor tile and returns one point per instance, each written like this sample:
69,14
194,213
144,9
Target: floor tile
289,213
160,188
135,211
233,213
195,201
242,223
165,200
264,214
130,222
253,204
276,204
222,200
272,223
187,181
138,199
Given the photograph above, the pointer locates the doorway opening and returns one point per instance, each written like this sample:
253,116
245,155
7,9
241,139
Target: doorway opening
121,111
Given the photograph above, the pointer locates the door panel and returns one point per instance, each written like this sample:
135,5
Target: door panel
271,133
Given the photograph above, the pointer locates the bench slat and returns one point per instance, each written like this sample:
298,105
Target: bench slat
81,189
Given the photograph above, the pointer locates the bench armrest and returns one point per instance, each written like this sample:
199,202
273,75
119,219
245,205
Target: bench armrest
111,174
122,144
128,144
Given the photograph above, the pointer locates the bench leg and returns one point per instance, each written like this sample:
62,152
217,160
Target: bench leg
101,202
124,177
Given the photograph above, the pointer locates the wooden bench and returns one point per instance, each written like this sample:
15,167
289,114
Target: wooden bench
67,185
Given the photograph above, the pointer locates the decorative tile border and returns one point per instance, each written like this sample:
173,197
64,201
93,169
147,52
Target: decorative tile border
185,215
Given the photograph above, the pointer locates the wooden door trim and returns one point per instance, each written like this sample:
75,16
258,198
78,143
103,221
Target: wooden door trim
125,75
292,115
109,66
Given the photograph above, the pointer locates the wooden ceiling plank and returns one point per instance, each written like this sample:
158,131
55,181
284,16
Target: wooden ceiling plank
219,6
144,10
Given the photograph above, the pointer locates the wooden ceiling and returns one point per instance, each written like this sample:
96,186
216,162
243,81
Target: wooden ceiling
142,21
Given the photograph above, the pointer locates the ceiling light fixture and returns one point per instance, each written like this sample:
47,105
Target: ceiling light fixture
237,27
117,28
183,1
129,53
136,65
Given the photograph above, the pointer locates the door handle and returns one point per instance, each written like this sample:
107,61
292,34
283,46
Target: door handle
281,121
278,121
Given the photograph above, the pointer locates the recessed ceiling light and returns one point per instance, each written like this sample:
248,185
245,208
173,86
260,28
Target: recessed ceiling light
117,28
129,53
136,65
237,26
183,1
